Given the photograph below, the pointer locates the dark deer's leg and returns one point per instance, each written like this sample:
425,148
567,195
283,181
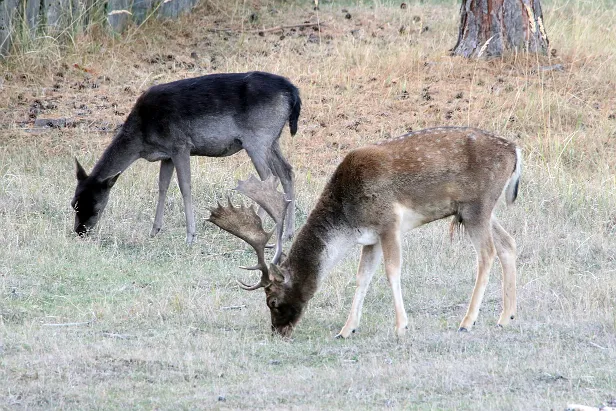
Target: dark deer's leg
284,171
506,251
259,160
480,233
164,178
182,165
369,261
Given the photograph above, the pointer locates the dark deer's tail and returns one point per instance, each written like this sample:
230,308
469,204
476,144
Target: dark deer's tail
295,104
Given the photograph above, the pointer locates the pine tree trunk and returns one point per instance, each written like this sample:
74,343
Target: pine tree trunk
492,27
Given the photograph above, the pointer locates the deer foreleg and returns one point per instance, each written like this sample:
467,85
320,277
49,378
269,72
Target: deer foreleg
391,244
481,237
369,261
506,251
182,165
164,178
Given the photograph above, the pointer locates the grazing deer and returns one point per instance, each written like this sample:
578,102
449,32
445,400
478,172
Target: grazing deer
376,194
216,116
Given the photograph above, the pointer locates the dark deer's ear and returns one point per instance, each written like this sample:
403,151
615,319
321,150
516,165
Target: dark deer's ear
81,173
112,180
276,274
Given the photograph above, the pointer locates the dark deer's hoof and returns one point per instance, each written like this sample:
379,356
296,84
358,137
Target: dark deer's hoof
462,330
499,326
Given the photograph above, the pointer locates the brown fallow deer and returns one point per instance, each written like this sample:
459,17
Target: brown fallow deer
215,115
376,194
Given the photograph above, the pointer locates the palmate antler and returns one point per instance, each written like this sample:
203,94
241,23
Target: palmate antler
243,222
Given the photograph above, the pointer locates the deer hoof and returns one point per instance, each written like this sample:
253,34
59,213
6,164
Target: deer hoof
340,335
155,230
462,330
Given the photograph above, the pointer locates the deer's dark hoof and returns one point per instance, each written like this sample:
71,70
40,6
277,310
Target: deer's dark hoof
462,330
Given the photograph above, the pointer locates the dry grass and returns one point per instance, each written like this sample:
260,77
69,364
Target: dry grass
159,334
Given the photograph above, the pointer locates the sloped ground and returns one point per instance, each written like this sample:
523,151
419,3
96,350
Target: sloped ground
156,324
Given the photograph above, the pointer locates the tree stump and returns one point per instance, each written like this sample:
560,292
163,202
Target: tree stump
491,27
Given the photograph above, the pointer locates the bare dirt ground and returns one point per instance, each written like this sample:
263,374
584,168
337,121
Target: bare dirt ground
122,320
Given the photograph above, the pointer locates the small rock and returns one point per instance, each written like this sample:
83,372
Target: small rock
348,16
222,398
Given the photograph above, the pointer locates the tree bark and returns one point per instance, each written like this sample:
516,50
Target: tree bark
492,27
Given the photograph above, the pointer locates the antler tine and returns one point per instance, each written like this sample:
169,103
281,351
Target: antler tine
265,194
243,222
271,200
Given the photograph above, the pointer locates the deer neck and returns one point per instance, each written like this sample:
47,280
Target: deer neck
321,243
123,150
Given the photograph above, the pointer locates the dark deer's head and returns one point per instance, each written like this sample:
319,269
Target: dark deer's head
243,222
91,196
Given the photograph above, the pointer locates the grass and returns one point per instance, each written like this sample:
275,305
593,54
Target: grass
159,332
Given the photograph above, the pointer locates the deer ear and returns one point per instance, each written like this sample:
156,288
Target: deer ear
276,274
112,180
81,173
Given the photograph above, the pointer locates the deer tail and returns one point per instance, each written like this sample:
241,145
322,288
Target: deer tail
295,103
511,190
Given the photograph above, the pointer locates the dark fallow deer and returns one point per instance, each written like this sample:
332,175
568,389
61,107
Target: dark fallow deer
216,116
376,194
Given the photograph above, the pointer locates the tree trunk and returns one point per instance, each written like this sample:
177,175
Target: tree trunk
490,27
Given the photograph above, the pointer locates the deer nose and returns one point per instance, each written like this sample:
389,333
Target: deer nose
81,230
284,331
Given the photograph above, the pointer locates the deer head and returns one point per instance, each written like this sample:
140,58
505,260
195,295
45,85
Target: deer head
243,222
91,196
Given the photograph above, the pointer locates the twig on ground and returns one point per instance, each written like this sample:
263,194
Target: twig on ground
597,345
67,324
119,336
234,307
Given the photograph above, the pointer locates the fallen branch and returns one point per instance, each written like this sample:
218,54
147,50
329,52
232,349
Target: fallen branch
291,26
67,324
268,30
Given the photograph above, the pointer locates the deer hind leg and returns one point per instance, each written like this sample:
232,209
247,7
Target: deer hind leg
506,251
391,244
164,179
284,171
369,261
481,237
182,165
259,160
